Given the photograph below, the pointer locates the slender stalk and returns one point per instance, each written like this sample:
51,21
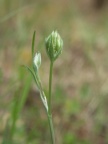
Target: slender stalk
49,116
50,87
51,128
49,106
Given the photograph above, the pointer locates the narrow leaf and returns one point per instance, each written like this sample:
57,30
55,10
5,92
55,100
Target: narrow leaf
32,73
33,43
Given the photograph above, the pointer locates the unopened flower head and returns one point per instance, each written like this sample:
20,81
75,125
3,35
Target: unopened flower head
37,61
54,45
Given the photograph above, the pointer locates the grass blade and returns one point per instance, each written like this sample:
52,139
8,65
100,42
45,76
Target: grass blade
32,73
33,44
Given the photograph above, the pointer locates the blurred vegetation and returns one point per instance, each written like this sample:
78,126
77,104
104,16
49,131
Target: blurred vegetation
80,92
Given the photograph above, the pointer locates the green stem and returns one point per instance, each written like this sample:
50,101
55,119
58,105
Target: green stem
49,115
50,87
49,105
51,128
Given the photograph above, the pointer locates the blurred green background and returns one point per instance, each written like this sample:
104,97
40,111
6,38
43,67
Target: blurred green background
80,78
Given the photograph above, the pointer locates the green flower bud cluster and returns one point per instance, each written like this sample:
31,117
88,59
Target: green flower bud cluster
54,45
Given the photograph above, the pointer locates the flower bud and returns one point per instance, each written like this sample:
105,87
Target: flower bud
37,61
54,45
